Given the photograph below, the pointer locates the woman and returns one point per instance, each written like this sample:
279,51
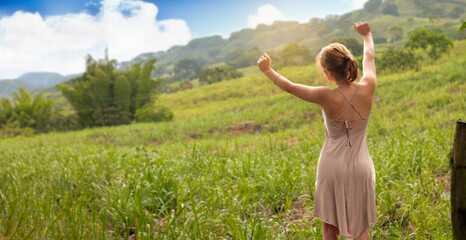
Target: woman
345,181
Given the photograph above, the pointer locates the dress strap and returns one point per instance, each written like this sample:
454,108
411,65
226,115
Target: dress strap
350,104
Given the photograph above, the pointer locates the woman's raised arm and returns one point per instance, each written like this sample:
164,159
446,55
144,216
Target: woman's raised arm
368,63
307,93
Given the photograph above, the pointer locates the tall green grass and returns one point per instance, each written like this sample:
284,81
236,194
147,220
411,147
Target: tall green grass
238,162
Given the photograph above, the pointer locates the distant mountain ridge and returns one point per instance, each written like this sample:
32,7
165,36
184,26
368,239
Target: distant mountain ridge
41,79
315,33
33,81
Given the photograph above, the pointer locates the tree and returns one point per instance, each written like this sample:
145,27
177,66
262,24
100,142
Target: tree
380,40
238,58
153,113
293,54
456,12
104,96
372,5
145,85
235,54
217,74
351,43
398,59
187,68
390,9
25,112
396,31
122,93
428,40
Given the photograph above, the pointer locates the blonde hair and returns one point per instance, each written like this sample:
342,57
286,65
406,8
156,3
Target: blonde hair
338,59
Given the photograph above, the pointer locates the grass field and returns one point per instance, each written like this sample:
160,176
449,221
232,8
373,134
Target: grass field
238,162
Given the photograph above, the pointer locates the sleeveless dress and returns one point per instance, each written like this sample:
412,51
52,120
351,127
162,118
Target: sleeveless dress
345,179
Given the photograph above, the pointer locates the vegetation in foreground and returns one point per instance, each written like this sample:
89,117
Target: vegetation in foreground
238,162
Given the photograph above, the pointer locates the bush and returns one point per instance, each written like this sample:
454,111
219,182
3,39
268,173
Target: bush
435,43
238,58
351,43
390,9
25,111
150,113
295,55
217,74
372,5
105,96
380,40
398,59
12,129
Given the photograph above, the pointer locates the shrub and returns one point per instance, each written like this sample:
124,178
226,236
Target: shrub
351,43
398,59
435,43
150,113
217,74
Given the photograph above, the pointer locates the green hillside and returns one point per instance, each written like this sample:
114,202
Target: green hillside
441,15
238,162
9,86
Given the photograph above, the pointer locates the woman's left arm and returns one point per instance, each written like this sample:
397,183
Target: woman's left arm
311,94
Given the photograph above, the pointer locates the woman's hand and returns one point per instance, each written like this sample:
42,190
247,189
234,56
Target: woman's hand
362,28
265,63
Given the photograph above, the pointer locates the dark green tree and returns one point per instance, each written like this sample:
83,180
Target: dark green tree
455,12
294,54
187,68
235,54
398,59
26,112
145,85
372,5
217,74
104,96
396,31
390,9
122,93
434,43
238,58
351,43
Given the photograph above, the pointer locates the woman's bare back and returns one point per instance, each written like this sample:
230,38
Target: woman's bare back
337,104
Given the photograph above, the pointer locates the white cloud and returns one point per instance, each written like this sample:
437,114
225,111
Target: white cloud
266,14
31,42
357,4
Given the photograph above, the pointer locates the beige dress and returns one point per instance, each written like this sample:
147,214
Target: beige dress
345,180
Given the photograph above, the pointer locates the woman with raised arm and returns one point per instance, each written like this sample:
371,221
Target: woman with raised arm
345,179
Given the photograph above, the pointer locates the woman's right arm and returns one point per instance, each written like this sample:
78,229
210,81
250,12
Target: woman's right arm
368,63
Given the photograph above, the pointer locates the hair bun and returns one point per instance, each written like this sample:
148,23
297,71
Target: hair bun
346,59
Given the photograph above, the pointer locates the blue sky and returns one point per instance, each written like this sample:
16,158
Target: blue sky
56,35
204,17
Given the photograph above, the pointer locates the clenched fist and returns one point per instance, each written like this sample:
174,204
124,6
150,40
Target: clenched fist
362,28
264,63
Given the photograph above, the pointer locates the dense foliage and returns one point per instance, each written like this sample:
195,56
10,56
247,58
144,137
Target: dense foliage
187,68
24,114
398,59
295,55
239,58
435,43
390,9
372,5
396,32
104,96
217,74
351,43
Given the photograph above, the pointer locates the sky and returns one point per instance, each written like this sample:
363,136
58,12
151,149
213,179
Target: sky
56,35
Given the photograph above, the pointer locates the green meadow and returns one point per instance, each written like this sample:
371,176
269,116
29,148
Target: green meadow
237,162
